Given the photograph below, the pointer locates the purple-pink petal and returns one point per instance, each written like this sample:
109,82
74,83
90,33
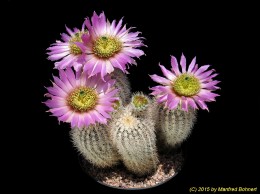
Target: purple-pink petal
69,31
55,103
213,88
184,103
192,65
117,28
117,64
58,56
81,46
110,93
77,67
102,24
202,105
98,117
183,63
160,80
59,111
133,52
64,51
65,62
81,121
109,67
192,103
167,73
209,84
96,68
101,110
65,37
64,79
61,84
201,70
71,76
162,98
196,67
86,38
207,95
56,92
205,74
74,120
174,103
86,119
66,117
175,65
209,78
58,47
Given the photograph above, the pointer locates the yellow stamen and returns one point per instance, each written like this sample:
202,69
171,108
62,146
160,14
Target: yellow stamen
186,85
106,47
83,99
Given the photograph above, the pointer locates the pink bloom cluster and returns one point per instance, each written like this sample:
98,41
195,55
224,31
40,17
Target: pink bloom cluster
84,93
99,48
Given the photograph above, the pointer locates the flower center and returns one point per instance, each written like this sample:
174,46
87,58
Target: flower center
83,99
186,85
140,101
105,47
74,49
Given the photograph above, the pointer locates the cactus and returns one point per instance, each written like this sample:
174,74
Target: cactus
175,126
108,125
95,146
136,142
139,104
153,110
122,83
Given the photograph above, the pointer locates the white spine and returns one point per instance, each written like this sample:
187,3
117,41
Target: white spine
136,143
95,146
123,85
175,126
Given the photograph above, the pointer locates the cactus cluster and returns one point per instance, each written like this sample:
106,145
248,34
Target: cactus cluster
134,132
110,125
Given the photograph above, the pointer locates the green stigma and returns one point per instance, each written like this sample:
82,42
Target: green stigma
140,101
186,85
83,99
74,49
105,47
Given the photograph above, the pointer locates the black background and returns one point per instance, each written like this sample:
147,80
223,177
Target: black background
223,148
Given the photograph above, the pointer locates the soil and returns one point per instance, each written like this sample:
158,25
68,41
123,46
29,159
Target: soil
119,177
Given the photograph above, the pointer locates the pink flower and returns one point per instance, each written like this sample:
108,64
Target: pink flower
82,101
109,46
69,51
187,87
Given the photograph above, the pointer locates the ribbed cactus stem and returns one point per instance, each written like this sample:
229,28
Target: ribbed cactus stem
175,126
153,111
136,142
122,83
95,146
